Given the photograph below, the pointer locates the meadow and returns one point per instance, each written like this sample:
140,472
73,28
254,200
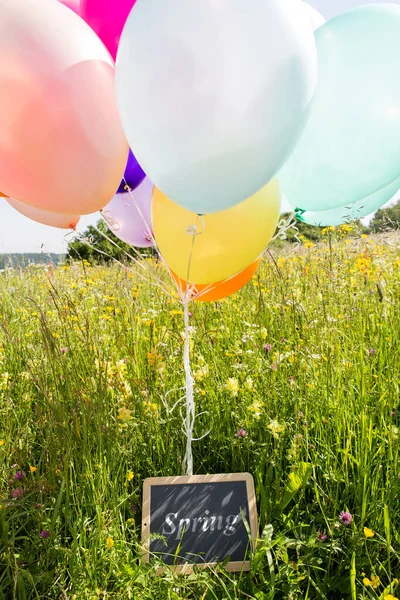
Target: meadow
297,377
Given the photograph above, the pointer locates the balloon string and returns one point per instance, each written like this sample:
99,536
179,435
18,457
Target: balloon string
150,233
153,240
159,283
187,465
193,231
185,298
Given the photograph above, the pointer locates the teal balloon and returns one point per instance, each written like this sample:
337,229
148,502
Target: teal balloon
352,212
350,147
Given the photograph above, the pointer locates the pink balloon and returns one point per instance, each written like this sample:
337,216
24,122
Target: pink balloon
44,217
62,148
107,18
74,5
129,216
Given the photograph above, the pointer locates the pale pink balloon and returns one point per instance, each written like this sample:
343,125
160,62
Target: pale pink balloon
62,148
107,18
43,216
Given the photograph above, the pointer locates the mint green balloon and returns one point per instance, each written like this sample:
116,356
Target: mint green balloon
350,148
352,212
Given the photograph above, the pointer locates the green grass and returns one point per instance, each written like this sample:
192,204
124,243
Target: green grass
321,410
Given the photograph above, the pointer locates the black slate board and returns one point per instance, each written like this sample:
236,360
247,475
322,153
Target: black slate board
200,518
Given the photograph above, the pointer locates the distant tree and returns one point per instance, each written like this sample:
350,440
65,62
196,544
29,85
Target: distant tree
24,259
93,246
386,218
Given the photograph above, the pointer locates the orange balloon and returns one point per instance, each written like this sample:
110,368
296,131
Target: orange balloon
217,291
3,195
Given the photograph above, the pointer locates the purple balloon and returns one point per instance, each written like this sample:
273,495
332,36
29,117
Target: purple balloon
129,216
134,175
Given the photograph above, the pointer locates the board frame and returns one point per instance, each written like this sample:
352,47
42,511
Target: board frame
187,568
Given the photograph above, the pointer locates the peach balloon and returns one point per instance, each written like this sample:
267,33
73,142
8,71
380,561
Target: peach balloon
217,291
62,148
45,217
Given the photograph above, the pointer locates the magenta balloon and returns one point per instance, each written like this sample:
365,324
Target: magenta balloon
129,216
107,18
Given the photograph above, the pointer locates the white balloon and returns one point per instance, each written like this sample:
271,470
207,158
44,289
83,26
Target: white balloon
213,95
43,216
316,19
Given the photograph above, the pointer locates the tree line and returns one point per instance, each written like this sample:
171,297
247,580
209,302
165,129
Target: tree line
99,244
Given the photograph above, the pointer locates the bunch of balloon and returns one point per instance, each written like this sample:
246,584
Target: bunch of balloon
212,104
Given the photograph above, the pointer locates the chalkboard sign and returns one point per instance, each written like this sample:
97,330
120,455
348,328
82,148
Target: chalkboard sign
199,520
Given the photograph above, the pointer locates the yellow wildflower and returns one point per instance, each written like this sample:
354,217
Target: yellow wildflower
130,475
151,407
153,358
374,582
249,384
275,428
5,377
58,472
124,414
390,597
2,442
33,469
201,373
368,532
109,542
255,408
232,386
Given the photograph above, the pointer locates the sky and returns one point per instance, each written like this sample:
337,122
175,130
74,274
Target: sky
19,234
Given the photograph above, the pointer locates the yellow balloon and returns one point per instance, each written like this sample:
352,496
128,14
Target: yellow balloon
214,247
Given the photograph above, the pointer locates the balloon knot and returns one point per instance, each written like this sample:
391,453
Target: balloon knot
191,230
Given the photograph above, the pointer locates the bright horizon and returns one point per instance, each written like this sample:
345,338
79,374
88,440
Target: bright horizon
20,235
